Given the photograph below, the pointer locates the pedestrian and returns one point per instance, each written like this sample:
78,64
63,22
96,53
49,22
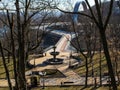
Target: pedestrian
61,83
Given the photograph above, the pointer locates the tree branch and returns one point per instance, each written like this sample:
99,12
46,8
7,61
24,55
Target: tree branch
109,14
74,13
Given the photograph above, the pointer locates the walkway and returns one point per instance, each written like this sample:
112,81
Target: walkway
4,82
71,76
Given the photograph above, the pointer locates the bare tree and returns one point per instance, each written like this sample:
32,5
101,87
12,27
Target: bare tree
5,66
101,23
18,23
85,44
113,39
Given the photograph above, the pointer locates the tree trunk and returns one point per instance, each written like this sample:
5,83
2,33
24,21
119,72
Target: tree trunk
8,57
21,58
100,63
108,59
11,24
86,76
116,69
5,66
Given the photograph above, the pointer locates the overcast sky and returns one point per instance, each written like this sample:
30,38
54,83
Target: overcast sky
65,4
61,1
69,4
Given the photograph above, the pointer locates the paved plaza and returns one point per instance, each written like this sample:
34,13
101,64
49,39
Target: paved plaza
70,75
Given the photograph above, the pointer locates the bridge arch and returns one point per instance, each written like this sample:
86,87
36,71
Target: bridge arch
76,7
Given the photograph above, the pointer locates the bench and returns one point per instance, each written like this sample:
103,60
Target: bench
67,83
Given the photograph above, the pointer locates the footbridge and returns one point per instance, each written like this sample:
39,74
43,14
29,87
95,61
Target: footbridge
62,44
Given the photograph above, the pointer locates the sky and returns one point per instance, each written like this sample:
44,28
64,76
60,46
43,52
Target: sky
64,3
69,4
90,1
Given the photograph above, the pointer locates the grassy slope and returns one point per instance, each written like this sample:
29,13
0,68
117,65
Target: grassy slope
81,70
74,88
2,70
68,88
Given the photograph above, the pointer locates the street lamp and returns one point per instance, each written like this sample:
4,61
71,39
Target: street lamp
34,60
43,74
70,59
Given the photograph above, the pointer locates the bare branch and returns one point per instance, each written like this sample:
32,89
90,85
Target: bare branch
91,11
74,13
98,12
109,14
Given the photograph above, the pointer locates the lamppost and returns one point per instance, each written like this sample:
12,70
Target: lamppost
34,60
54,56
70,59
43,74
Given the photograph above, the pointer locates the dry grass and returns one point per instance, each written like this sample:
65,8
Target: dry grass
74,88
81,70
2,70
